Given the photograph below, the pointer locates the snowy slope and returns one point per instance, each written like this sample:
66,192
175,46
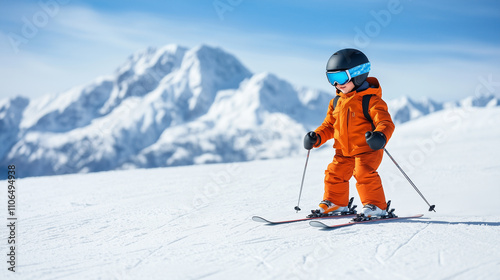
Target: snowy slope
194,222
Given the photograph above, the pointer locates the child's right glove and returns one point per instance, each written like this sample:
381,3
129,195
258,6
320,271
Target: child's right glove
310,140
376,140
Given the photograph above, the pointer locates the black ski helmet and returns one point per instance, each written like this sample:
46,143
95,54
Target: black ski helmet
346,59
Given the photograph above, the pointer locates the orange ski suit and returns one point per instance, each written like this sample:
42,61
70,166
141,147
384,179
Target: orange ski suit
348,125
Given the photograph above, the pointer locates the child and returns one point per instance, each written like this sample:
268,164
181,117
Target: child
358,146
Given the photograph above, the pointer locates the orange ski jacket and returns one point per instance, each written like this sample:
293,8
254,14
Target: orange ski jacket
347,123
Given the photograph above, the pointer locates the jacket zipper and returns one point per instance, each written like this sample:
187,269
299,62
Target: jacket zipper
348,117
347,128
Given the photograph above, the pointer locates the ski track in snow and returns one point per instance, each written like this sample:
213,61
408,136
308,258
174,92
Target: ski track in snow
195,222
408,241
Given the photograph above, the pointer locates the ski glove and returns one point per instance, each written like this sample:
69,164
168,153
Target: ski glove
376,140
311,139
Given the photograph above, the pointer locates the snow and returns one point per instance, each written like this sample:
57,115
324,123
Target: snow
194,222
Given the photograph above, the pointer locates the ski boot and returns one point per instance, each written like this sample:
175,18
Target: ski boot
372,212
327,208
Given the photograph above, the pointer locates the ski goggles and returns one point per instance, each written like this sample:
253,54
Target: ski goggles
344,76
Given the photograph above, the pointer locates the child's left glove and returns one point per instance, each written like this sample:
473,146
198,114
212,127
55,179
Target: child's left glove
376,140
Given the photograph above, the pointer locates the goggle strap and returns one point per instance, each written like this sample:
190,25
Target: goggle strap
359,70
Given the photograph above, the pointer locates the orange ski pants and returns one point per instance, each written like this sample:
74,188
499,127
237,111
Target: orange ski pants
368,183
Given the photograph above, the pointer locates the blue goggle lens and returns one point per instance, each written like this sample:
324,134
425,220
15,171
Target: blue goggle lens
340,77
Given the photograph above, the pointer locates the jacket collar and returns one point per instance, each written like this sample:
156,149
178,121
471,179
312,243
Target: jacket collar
363,86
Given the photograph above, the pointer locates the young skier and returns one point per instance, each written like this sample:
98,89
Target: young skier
358,146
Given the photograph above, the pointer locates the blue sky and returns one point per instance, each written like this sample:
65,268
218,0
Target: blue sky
444,50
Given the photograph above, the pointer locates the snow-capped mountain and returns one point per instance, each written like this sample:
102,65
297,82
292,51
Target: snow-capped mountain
406,109
162,107
171,106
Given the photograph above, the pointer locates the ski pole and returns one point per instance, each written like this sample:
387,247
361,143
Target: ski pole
297,208
431,207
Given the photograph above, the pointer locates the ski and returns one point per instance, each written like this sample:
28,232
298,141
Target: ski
351,223
263,220
315,214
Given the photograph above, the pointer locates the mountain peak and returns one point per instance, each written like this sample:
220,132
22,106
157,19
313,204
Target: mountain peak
216,60
208,70
150,57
